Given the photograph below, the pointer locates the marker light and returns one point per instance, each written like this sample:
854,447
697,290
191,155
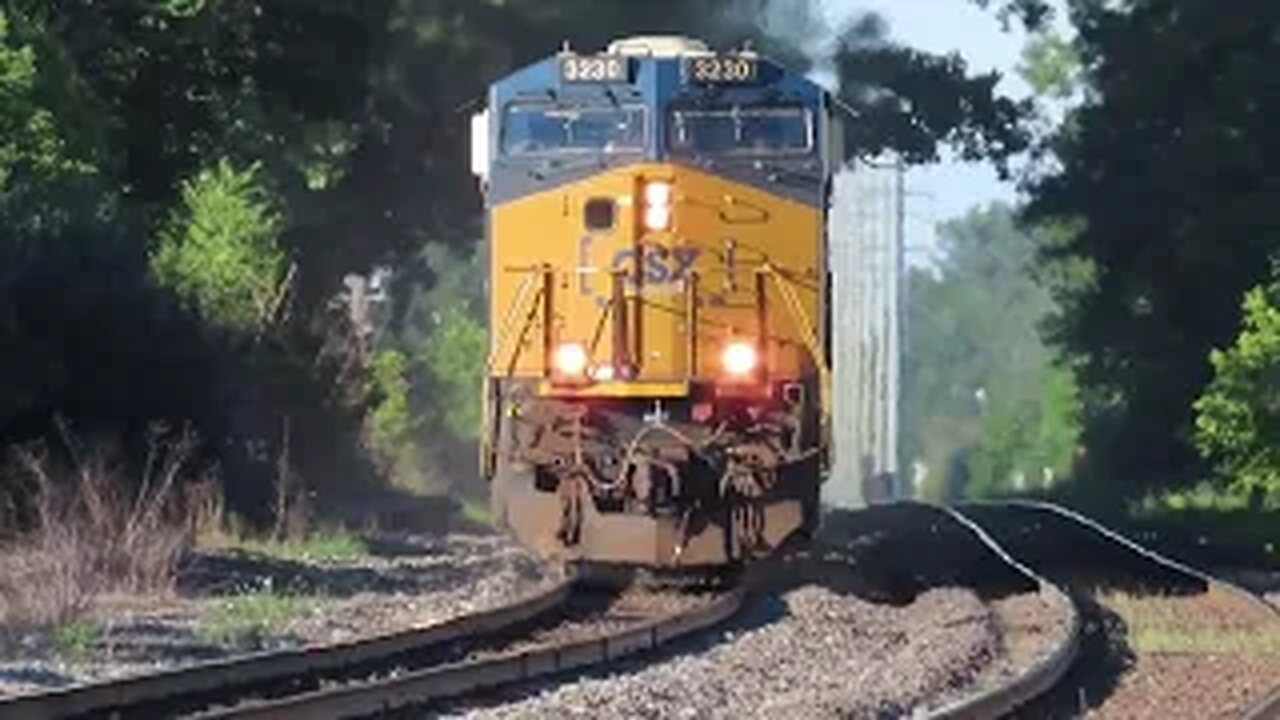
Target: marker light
739,358
602,373
571,359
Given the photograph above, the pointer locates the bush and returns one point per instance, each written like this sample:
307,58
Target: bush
220,250
1238,416
455,357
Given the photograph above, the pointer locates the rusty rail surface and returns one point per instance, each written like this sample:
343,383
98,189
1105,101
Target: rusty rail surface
226,676
461,678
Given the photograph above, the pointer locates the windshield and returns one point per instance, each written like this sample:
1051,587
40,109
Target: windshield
743,130
543,129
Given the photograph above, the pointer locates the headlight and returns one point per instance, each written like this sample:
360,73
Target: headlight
657,194
571,359
657,218
740,359
657,205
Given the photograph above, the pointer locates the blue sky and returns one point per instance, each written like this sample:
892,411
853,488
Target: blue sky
941,192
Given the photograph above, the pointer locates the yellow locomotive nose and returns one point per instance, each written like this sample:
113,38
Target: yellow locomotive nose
652,273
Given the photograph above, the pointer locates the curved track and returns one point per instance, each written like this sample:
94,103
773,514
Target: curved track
1266,709
1089,560
565,627
1000,547
1043,675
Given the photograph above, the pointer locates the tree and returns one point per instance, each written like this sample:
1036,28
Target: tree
1238,416
220,250
134,242
980,387
1050,65
913,102
29,137
1164,179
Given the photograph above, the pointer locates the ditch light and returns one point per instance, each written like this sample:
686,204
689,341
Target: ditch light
571,360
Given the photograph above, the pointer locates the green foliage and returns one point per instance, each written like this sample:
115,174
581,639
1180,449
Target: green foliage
1238,416
390,419
177,166
455,359
477,513
912,102
391,425
1027,441
29,133
74,640
1050,65
220,250
1034,14
1164,177
320,546
1201,497
984,401
251,618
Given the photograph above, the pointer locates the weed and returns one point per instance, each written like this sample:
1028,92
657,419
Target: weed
74,640
476,512
91,536
322,546
248,619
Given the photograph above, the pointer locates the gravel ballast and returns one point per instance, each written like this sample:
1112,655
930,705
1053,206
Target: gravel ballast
881,619
871,629
810,652
406,582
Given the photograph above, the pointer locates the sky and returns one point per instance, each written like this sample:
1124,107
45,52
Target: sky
947,190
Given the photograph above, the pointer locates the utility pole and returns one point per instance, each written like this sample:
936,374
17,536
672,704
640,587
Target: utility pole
867,260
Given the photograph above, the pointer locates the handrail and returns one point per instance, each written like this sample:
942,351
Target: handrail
487,441
508,320
810,338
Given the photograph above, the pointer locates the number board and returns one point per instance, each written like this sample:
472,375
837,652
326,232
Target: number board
721,69
595,69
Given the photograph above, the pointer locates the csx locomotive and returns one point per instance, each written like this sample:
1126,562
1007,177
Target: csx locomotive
657,393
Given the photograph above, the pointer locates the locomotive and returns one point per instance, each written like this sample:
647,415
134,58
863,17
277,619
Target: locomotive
657,391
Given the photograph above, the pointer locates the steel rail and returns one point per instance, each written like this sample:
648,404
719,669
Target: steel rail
225,676
461,678
1265,709
1046,673
1131,545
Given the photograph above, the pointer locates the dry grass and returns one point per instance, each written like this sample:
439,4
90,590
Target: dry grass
93,532
1157,625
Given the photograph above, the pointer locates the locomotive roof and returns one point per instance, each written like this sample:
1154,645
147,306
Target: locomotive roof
658,46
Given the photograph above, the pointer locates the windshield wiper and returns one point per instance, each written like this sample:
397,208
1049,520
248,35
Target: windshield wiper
778,173
555,166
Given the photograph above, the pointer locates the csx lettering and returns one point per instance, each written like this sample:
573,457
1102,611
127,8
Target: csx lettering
662,265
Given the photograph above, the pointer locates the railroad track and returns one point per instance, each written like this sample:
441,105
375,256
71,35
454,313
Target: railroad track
965,554
569,626
1098,566
998,549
